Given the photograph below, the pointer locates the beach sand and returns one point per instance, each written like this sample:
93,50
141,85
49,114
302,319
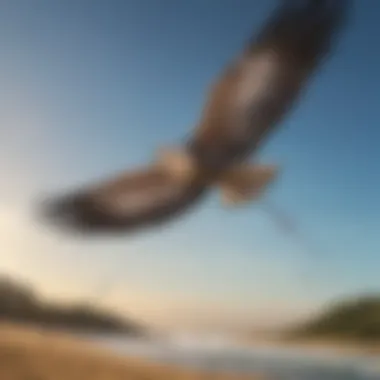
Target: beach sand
34,354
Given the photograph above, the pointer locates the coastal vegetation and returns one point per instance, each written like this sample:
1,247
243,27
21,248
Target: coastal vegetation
20,303
356,319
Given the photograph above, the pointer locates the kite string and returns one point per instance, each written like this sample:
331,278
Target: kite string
290,227
287,224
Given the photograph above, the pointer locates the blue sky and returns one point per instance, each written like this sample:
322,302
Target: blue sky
93,87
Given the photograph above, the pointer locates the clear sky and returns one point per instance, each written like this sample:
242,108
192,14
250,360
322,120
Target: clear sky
90,87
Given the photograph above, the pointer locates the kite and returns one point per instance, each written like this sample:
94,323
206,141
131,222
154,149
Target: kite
247,101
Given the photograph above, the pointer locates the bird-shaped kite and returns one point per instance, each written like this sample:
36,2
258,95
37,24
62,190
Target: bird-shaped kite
248,100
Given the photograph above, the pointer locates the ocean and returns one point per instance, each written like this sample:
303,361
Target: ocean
279,363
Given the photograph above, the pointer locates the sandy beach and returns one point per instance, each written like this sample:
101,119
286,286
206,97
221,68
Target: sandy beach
32,354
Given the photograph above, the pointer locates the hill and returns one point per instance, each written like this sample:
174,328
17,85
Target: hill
20,303
356,320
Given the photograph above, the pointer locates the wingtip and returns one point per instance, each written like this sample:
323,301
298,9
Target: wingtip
78,215
70,214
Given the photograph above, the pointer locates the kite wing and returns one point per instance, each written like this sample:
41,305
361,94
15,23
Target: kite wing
125,202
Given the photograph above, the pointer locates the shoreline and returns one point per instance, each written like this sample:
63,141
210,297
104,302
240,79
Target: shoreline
316,346
47,355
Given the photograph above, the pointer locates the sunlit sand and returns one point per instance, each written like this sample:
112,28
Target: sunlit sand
34,354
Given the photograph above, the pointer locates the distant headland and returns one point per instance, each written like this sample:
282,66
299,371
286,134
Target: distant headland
21,304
